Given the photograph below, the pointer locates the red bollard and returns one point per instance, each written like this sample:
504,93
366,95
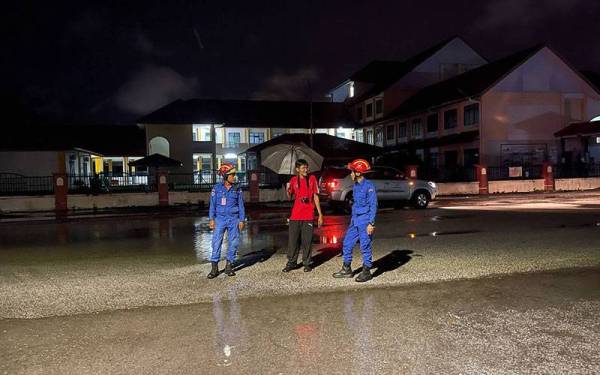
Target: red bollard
411,172
61,189
483,179
163,189
548,174
254,194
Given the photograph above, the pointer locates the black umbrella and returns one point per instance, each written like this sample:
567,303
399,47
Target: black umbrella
157,161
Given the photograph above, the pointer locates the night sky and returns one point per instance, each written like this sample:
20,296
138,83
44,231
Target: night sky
113,61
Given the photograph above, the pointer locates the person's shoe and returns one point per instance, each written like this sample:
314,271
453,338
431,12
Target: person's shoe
345,272
289,267
365,275
307,268
229,269
214,272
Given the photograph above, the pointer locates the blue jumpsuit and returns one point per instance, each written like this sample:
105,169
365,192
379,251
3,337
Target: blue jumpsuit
363,213
227,209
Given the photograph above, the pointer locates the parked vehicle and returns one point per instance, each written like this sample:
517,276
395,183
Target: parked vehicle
335,187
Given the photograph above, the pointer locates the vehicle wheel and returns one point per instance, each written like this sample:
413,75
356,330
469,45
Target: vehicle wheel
420,199
348,202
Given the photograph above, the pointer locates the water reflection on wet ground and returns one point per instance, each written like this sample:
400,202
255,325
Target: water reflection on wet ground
476,326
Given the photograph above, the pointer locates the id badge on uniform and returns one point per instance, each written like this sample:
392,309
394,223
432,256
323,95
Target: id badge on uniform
223,201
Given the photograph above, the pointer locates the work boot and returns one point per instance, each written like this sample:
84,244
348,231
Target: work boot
345,272
365,275
289,267
229,269
214,272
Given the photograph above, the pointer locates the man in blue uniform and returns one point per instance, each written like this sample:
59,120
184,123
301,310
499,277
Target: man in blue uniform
362,224
226,213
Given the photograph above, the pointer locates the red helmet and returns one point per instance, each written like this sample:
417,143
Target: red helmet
359,165
226,168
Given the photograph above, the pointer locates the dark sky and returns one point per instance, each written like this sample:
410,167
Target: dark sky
116,60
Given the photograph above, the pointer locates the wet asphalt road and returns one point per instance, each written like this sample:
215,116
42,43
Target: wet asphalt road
542,323
98,289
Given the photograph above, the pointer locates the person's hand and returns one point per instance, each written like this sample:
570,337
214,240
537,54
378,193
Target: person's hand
320,220
370,229
241,225
211,225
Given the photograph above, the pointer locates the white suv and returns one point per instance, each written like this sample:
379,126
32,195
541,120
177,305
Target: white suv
335,187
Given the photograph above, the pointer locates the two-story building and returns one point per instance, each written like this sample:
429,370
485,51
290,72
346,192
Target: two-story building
499,113
203,133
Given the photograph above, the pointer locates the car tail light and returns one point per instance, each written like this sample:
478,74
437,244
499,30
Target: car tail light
331,185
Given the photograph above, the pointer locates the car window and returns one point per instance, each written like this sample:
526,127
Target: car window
335,173
375,174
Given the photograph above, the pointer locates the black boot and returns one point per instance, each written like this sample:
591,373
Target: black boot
214,272
289,267
365,275
229,269
345,272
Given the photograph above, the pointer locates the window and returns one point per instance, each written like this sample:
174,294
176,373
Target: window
359,113
233,139
471,114
450,119
378,107
471,157
402,130
432,159
450,158
369,110
256,137
379,136
351,90
370,137
390,133
432,123
359,136
415,130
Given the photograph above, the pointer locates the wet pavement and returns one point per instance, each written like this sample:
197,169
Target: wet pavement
501,286
74,267
544,323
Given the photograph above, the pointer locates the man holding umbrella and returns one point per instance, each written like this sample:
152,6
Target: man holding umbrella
297,158
226,213
305,191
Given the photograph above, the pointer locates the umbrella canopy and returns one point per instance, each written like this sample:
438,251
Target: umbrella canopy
281,158
156,160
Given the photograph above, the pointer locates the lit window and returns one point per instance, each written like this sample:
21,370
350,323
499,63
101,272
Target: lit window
351,91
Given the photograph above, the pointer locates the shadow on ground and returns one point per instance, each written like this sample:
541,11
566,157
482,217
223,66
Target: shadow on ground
389,262
254,257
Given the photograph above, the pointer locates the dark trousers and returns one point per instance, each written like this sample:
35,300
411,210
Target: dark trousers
301,233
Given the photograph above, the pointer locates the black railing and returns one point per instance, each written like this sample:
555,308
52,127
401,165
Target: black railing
578,170
111,183
14,184
447,174
514,173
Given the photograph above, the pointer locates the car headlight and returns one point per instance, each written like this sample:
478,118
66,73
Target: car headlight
432,184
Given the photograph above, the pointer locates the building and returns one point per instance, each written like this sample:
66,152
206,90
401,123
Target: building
381,86
501,113
203,133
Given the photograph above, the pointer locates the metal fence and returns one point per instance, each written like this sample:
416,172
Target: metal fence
514,173
14,184
111,183
447,174
205,180
580,170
